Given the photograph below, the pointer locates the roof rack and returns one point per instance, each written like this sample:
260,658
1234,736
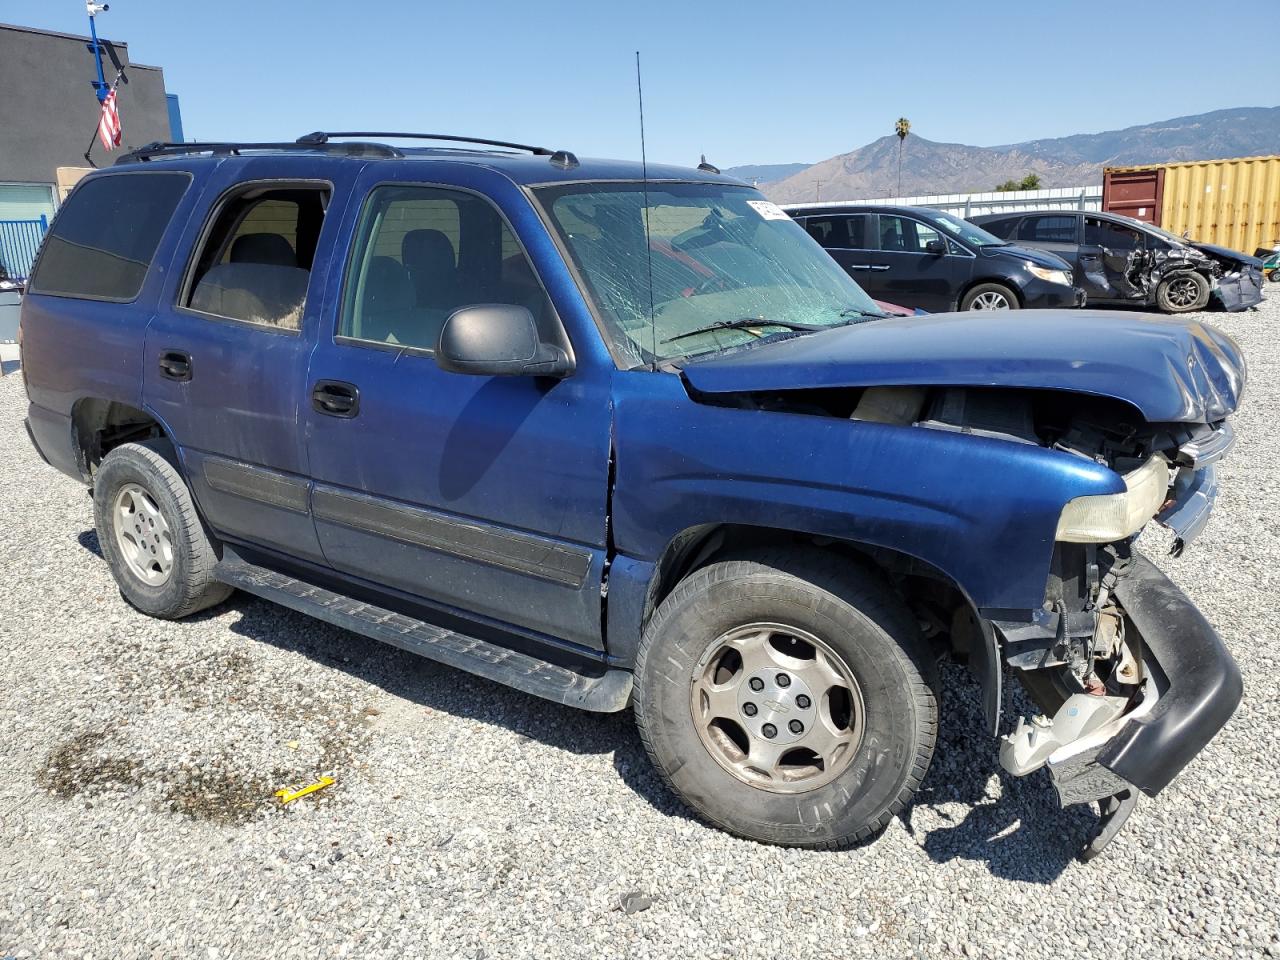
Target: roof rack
323,137
159,149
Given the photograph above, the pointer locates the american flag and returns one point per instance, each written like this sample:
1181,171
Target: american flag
109,129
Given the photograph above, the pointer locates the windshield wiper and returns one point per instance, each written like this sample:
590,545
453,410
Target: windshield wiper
865,314
749,324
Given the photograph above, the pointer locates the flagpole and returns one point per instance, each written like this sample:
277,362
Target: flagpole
100,85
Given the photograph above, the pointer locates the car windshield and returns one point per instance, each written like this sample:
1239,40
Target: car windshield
969,232
719,259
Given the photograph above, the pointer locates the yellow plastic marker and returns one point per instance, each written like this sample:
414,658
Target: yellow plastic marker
287,797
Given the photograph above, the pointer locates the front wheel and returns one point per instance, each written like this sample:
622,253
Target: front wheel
787,697
1184,292
989,296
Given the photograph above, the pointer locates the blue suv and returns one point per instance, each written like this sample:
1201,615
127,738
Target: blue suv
620,435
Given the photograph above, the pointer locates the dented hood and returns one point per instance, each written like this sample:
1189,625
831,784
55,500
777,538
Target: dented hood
1171,370
1225,253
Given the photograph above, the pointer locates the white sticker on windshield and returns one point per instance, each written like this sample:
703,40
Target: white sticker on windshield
768,210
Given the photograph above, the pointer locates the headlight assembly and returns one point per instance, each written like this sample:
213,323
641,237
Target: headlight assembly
1050,276
1119,515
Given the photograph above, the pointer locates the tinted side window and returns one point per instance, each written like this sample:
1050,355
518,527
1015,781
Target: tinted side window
839,233
904,235
1059,229
104,238
1002,228
256,260
420,254
1113,236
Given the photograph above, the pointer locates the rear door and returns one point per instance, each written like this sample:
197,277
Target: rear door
226,352
846,238
483,495
1057,233
905,272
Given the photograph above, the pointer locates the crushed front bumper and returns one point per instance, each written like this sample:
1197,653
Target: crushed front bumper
1240,289
1197,684
1191,687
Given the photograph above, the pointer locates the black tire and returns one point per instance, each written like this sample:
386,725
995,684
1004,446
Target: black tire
1184,292
859,617
189,585
1275,275
985,291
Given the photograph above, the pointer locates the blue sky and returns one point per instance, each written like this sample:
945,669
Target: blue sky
744,83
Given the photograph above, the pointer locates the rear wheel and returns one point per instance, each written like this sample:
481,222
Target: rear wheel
787,697
989,296
151,535
1183,292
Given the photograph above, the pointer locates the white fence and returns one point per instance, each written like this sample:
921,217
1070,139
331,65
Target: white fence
975,204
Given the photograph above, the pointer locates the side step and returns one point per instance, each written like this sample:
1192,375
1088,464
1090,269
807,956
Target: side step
605,694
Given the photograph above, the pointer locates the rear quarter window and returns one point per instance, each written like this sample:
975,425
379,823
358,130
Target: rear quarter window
104,238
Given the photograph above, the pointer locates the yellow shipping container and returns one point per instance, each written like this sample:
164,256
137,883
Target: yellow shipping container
1233,203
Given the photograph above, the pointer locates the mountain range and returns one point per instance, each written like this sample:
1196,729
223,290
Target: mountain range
929,167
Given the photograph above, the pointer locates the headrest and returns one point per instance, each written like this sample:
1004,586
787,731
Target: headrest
427,250
263,248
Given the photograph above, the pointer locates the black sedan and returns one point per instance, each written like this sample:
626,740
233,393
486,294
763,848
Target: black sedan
1121,260
935,261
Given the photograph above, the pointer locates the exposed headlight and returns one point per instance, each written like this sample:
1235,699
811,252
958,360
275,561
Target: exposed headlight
1050,276
1118,515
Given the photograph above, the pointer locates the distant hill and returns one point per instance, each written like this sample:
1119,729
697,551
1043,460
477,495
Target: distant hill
929,167
765,172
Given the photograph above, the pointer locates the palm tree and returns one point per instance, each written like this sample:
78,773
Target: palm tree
901,128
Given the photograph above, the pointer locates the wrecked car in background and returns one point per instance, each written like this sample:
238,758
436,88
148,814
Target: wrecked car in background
1121,260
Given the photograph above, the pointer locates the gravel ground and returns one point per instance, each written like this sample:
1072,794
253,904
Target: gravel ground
138,760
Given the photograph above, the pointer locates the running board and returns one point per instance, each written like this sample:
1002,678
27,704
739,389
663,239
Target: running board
607,693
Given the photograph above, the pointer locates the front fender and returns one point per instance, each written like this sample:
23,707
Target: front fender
982,511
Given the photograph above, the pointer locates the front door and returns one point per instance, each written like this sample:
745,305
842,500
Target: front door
911,270
226,352
483,495
1109,260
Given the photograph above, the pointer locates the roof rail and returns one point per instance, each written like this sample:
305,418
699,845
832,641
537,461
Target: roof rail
322,136
159,149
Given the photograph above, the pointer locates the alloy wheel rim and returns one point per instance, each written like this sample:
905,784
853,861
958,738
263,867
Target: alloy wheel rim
143,538
990,300
1182,292
777,707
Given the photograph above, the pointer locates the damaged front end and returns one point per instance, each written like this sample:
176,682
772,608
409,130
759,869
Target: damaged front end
1132,680
1159,276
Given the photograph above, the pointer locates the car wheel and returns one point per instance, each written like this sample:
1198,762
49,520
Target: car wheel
1183,292
787,697
1275,275
989,296
150,534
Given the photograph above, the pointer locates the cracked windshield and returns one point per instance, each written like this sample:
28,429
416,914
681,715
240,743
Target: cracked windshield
728,267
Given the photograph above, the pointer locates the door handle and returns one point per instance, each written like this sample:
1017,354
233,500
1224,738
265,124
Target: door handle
175,365
878,266
858,266
336,398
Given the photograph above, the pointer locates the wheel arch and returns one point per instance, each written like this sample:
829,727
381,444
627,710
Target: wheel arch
99,425
946,613
1002,281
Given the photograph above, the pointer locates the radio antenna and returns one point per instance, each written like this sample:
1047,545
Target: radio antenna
648,250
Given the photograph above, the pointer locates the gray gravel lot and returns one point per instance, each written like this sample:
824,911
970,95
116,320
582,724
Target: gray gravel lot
138,760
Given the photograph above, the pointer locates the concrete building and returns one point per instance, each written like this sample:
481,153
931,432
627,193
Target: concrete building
49,118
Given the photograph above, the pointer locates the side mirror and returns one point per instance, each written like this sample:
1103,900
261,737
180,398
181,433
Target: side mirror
937,247
498,340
